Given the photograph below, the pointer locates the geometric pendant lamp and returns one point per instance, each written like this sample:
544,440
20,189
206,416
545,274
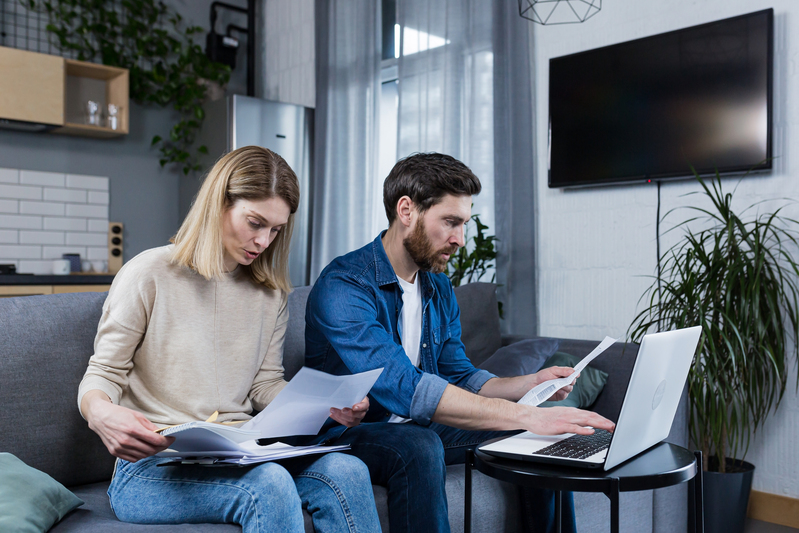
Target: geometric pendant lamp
550,12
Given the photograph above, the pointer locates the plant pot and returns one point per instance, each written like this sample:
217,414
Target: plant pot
726,496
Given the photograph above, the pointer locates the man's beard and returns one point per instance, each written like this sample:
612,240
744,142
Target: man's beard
421,250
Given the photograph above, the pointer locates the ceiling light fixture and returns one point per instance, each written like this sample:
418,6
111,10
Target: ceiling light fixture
551,12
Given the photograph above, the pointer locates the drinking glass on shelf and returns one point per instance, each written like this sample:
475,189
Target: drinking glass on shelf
92,113
112,119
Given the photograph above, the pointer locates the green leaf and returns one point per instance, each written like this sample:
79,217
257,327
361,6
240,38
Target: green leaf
737,278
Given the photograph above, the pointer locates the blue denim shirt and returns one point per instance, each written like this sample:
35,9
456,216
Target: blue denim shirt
352,325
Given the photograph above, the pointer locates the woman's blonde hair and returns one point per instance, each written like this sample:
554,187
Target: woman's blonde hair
249,173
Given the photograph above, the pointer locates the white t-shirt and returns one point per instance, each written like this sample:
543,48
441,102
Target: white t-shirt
410,320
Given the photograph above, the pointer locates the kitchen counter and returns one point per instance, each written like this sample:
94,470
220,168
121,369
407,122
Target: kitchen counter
71,279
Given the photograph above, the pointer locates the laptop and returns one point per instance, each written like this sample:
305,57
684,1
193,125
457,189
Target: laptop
648,410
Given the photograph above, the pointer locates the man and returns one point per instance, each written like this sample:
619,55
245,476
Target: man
389,305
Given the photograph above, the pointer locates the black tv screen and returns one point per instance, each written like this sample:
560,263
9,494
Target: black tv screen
653,108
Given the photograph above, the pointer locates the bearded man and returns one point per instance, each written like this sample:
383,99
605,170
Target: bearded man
388,305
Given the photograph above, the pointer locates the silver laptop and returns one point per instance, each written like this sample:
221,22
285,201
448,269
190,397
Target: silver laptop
647,412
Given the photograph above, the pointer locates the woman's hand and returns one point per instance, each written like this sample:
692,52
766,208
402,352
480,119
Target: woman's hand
126,433
351,417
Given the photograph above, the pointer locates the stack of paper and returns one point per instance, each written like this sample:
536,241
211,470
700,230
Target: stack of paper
246,453
301,408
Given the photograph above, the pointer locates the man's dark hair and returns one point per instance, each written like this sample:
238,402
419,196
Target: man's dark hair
426,178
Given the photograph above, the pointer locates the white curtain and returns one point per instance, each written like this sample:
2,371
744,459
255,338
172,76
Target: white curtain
465,89
347,124
445,74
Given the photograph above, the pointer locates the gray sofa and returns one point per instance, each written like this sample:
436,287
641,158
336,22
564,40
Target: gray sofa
46,341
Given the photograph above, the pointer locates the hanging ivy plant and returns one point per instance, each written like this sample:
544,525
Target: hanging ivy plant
151,40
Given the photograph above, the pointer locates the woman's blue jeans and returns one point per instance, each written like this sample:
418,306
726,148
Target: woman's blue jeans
334,488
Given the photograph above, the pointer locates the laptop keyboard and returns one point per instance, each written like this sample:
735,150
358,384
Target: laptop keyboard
578,446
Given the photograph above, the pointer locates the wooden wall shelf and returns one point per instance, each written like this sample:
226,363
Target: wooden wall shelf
51,90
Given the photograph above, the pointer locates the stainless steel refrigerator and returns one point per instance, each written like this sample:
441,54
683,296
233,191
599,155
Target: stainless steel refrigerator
287,129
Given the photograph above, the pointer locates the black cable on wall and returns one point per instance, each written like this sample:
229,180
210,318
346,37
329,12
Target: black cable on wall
657,240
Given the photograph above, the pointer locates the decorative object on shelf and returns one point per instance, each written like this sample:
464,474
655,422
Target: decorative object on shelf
99,267
74,261
92,113
61,267
737,278
112,118
148,38
551,12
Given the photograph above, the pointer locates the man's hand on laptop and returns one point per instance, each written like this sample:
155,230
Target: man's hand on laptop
557,420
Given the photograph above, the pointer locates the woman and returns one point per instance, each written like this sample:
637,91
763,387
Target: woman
198,327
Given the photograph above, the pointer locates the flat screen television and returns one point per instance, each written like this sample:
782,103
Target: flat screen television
653,108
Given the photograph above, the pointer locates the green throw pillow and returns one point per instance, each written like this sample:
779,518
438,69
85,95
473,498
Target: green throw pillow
30,500
586,388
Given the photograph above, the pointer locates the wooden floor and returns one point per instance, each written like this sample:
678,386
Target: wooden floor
756,526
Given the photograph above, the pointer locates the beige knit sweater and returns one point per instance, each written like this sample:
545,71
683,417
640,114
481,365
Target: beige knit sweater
177,347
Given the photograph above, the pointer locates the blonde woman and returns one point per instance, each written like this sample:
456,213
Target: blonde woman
197,327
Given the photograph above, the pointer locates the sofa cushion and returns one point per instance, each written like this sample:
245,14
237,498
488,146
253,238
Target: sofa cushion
294,343
586,389
45,345
97,517
618,361
480,331
520,358
30,500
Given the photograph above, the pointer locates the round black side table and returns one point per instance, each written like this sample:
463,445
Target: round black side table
661,466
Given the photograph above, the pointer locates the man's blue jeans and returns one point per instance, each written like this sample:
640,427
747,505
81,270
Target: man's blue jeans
538,505
334,488
410,460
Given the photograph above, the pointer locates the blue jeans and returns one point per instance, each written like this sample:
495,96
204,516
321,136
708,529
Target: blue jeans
334,488
410,461
537,505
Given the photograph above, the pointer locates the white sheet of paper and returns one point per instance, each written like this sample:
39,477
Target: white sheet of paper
304,404
542,391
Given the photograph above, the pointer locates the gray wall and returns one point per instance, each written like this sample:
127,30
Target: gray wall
144,196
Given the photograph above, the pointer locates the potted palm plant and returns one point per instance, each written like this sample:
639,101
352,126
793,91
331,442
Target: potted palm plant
736,276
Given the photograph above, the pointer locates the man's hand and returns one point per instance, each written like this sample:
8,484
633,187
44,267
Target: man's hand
351,417
126,433
557,420
555,372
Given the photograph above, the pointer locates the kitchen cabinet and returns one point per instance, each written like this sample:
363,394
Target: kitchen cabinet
32,86
9,291
30,285
53,91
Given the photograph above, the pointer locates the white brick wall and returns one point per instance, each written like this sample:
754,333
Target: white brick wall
46,214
